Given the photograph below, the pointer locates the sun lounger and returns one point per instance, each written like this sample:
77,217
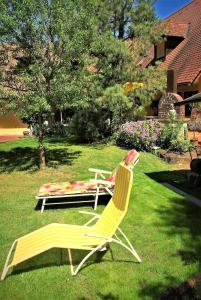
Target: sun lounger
102,184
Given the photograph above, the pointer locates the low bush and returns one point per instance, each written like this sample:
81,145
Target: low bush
173,137
141,135
88,126
58,129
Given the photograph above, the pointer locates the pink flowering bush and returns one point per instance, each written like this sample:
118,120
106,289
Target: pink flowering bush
141,135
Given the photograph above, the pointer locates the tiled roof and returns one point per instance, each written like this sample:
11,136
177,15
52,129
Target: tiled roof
146,60
186,57
179,29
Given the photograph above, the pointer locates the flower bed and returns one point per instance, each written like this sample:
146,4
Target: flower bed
141,135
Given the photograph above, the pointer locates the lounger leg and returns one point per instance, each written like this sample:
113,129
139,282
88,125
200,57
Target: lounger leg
71,262
43,205
83,261
6,266
96,198
129,247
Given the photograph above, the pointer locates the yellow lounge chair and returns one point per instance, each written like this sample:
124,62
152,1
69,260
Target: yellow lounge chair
92,238
100,185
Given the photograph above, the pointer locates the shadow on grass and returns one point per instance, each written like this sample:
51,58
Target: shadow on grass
27,158
182,220
70,141
58,257
177,178
108,296
102,200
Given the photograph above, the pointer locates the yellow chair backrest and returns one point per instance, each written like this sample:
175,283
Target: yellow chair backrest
118,205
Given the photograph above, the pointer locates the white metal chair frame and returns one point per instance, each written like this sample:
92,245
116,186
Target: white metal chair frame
100,247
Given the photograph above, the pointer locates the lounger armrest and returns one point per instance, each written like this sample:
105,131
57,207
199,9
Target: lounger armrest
88,213
103,182
94,217
137,161
99,171
98,236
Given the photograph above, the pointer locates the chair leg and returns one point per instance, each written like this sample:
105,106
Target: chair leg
6,266
130,248
132,251
43,205
96,198
74,272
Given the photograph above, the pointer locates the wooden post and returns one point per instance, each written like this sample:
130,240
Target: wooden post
171,81
199,87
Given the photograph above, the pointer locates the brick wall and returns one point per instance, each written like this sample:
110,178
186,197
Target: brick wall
165,104
195,122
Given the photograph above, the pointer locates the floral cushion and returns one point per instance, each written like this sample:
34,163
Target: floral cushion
131,158
81,187
64,188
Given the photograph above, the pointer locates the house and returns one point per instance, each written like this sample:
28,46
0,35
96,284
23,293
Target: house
11,125
180,51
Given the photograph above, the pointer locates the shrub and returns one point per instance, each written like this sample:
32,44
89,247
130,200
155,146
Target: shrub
89,126
173,137
141,135
58,129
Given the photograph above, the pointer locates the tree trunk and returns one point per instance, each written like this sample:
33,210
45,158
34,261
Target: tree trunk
41,145
121,26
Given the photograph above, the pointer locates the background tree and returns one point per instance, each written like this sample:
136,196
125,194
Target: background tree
136,28
45,47
75,54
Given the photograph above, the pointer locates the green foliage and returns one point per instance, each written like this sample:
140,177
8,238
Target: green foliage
141,135
173,136
74,54
58,129
118,104
89,126
50,48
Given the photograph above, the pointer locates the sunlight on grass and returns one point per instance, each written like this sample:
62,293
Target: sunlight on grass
164,229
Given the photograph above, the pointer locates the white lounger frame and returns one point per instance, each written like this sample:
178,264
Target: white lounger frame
100,247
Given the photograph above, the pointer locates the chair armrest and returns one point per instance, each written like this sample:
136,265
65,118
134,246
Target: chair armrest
88,213
95,216
103,182
100,171
137,161
98,236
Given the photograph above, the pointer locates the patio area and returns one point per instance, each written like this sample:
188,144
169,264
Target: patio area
195,134
5,138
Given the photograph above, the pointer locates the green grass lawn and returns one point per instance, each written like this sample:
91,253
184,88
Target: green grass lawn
164,229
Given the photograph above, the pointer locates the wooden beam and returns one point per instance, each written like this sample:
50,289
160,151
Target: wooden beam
171,81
